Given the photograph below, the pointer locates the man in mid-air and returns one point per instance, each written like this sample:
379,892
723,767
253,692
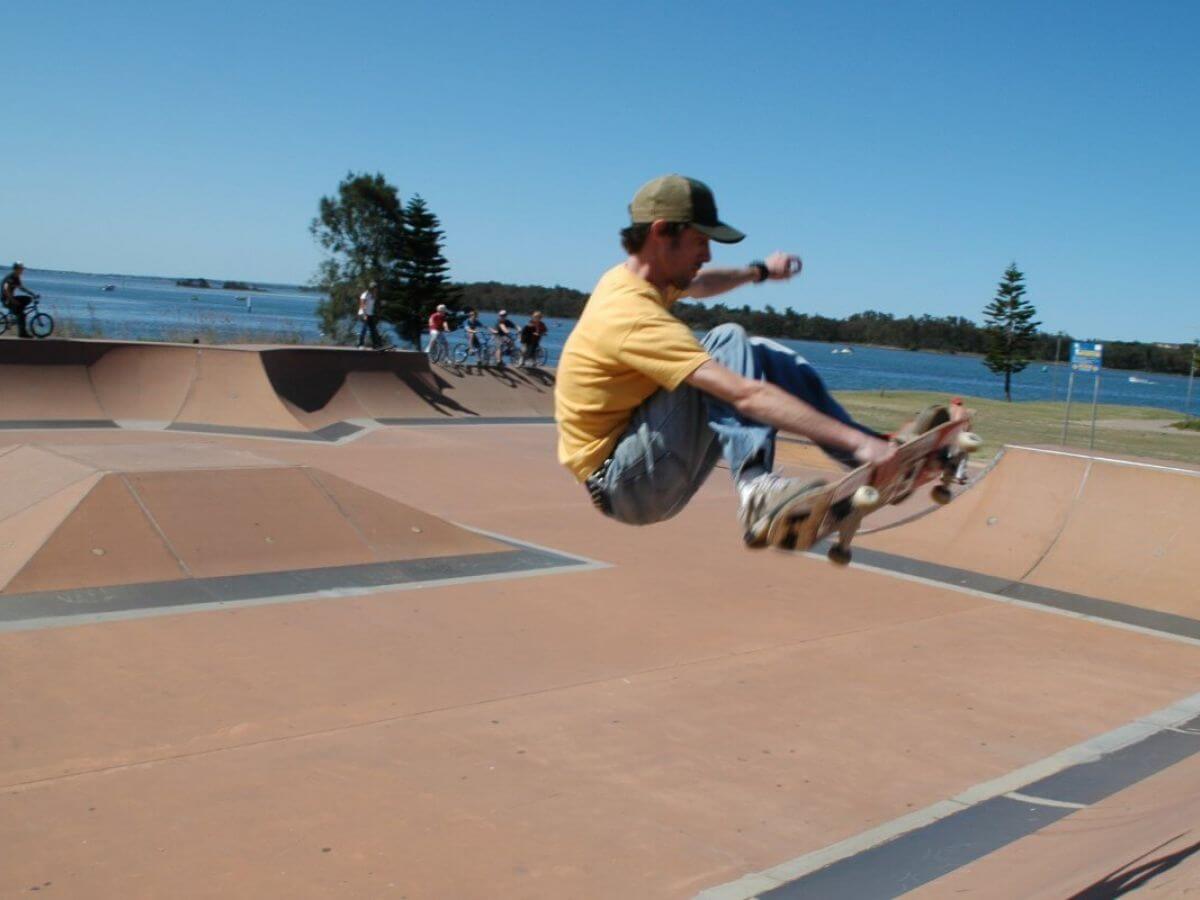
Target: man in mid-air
645,410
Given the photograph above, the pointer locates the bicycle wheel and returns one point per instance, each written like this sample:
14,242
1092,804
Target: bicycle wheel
460,354
41,325
437,353
542,358
4,322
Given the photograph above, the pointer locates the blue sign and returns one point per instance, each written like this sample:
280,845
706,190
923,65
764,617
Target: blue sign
1086,357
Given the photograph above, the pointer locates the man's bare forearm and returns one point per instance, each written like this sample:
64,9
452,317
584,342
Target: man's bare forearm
711,282
774,406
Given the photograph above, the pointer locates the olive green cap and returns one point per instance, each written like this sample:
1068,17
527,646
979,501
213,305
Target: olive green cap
674,198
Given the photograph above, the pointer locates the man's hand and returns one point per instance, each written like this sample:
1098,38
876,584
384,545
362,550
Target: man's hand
782,266
882,453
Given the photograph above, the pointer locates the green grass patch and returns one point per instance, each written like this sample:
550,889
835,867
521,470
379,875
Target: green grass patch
1189,425
1126,430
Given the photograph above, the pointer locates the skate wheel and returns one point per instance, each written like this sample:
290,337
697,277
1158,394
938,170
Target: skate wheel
839,555
866,497
941,495
969,442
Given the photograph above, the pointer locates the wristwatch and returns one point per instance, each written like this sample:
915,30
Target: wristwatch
761,268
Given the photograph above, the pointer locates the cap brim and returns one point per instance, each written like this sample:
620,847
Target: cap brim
721,233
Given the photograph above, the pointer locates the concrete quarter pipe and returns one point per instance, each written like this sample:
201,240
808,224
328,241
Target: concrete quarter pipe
313,393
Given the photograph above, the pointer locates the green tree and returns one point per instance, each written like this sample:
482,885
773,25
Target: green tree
423,269
362,229
1008,320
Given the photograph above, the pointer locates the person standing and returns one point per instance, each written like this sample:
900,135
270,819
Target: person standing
368,313
14,301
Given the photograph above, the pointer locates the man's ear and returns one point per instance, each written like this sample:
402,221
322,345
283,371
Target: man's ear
660,228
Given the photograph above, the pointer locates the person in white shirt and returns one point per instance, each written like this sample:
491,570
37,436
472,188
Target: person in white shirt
368,305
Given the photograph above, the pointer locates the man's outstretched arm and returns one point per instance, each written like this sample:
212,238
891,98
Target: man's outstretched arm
767,403
711,282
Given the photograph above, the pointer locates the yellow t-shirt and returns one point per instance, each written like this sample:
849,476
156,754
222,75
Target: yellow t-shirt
625,347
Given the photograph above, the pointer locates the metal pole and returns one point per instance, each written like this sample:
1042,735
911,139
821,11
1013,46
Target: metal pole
1067,418
1054,372
1095,396
1187,407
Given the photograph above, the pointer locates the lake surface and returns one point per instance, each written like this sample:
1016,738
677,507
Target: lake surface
145,308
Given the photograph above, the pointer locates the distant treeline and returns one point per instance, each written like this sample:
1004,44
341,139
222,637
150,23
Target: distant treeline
224,285
947,334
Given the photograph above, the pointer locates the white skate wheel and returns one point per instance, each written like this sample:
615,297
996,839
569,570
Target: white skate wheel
866,497
969,442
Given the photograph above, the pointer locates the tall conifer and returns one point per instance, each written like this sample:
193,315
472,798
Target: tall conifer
1010,327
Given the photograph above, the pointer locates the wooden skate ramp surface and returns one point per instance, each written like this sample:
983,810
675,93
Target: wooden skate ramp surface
691,720
301,392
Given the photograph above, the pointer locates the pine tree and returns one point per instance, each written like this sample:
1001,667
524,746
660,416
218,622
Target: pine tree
1008,320
424,269
362,228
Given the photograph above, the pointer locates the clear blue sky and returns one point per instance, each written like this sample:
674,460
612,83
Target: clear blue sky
907,150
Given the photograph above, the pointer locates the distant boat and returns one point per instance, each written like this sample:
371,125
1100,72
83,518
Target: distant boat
1135,380
109,287
842,350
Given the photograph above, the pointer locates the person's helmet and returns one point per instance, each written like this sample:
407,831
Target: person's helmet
503,312
373,284
441,307
18,265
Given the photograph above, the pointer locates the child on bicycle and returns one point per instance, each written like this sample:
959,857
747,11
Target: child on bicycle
17,303
531,339
438,326
505,330
473,327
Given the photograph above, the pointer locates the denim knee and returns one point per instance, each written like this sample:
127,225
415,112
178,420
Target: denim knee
722,335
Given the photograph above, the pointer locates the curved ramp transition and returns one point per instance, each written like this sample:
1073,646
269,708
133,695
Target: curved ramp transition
1055,525
321,393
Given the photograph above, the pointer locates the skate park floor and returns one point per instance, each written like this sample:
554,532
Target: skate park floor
999,698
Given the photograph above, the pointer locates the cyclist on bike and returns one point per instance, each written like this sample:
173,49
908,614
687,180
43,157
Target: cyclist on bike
438,326
505,331
473,327
17,302
531,338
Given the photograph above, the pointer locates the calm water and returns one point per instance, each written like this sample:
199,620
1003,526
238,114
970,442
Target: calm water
156,308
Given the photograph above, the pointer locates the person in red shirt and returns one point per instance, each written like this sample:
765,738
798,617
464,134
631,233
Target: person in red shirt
438,326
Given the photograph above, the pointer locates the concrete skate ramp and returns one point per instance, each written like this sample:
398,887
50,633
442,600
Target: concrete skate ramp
1100,528
322,385
299,392
67,523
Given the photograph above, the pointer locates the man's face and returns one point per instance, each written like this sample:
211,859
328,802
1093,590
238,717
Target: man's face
683,255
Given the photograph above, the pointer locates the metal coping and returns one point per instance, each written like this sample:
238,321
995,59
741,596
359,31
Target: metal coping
44,609
473,420
39,424
331,433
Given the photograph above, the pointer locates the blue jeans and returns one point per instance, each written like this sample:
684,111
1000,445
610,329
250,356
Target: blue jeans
676,437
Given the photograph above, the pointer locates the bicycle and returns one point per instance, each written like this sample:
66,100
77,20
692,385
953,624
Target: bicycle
510,351
540,359
482,351
439,349
40,324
